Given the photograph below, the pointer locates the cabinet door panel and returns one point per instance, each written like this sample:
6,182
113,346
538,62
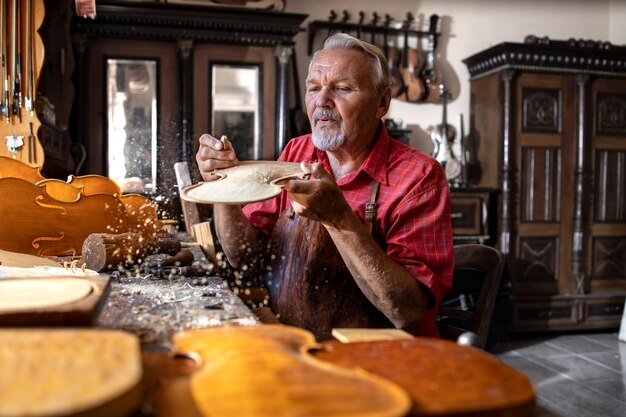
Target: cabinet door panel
166,122
610,198
606,250
206,56
544,153
541,185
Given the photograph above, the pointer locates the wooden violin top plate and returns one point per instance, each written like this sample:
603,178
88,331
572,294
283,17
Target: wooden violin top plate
24,260
247,182
34,293
267,371
64,372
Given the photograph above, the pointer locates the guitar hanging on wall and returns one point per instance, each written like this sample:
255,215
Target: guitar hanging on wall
21,60
411,66
432,75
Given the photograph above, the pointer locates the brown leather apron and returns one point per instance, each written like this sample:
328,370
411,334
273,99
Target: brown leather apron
310,285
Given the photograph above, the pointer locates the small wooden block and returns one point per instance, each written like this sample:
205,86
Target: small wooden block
346,335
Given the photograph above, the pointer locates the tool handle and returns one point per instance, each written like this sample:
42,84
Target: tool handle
226,145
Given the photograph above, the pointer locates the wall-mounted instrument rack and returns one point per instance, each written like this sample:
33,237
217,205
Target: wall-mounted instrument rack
366,31
21,57
414,68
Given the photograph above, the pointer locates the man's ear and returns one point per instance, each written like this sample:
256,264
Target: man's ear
384,103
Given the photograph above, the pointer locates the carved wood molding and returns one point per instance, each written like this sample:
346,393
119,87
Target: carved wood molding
600,58
164,21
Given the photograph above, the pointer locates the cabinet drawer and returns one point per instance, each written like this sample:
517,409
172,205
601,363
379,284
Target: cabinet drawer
544,316
608,311
467,213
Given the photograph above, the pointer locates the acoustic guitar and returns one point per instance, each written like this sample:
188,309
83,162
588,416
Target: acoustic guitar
431,74
393,59
414,88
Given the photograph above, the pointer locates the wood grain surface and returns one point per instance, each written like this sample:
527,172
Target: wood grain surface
69,372
78,312
267,371
442,378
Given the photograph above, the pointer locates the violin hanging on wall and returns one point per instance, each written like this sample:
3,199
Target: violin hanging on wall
22,53
443,136
393,60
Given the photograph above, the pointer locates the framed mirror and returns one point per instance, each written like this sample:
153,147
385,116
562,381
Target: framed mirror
235,107
131,103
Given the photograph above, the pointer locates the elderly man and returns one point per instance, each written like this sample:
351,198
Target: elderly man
366,240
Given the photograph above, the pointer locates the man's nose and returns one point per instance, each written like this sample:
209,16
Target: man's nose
324,97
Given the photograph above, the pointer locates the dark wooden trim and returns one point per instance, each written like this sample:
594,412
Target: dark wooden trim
507,168
166,21
185,95
601,58
578,232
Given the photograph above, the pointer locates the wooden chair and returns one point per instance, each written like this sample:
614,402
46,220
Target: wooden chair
477,272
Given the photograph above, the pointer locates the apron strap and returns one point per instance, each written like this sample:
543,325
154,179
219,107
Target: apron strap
370,208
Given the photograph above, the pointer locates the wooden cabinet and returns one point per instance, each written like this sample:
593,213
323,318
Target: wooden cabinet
179,46
548,123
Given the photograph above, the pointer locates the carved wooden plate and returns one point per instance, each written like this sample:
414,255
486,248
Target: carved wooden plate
247,182
63,372
36,293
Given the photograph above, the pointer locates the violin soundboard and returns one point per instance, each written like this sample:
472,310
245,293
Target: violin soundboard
52,301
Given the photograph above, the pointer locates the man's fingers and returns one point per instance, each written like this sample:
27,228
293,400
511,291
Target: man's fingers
208,140
316,169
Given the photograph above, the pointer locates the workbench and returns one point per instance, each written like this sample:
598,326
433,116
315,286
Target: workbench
155,308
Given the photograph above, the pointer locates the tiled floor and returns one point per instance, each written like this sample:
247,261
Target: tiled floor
580,375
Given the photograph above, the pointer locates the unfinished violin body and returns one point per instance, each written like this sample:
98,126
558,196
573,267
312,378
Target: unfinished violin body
267,370
36,223
52,217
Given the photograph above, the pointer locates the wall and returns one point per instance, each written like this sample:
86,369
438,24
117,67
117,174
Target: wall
470,26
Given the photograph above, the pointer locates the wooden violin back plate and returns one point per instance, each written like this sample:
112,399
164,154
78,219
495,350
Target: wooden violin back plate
266,370
442,378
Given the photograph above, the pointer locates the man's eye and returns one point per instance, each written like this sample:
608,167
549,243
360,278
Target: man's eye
312,89
342,89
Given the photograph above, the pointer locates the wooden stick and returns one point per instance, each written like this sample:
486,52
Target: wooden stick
226,145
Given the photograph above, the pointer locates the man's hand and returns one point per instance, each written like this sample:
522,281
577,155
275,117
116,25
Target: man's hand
318,199
212,155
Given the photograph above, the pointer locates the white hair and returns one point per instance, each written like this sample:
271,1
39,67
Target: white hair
381,77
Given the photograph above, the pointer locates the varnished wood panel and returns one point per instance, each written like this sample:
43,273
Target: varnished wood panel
541,185
542,110
486,129
609,258
538,259
610,192
611,114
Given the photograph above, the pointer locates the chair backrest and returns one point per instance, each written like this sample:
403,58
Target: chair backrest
477,270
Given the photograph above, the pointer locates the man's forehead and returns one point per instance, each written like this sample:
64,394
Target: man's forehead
335,63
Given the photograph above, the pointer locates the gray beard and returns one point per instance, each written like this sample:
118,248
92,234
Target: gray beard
328,142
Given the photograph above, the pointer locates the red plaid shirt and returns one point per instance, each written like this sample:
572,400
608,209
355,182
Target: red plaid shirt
412,209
